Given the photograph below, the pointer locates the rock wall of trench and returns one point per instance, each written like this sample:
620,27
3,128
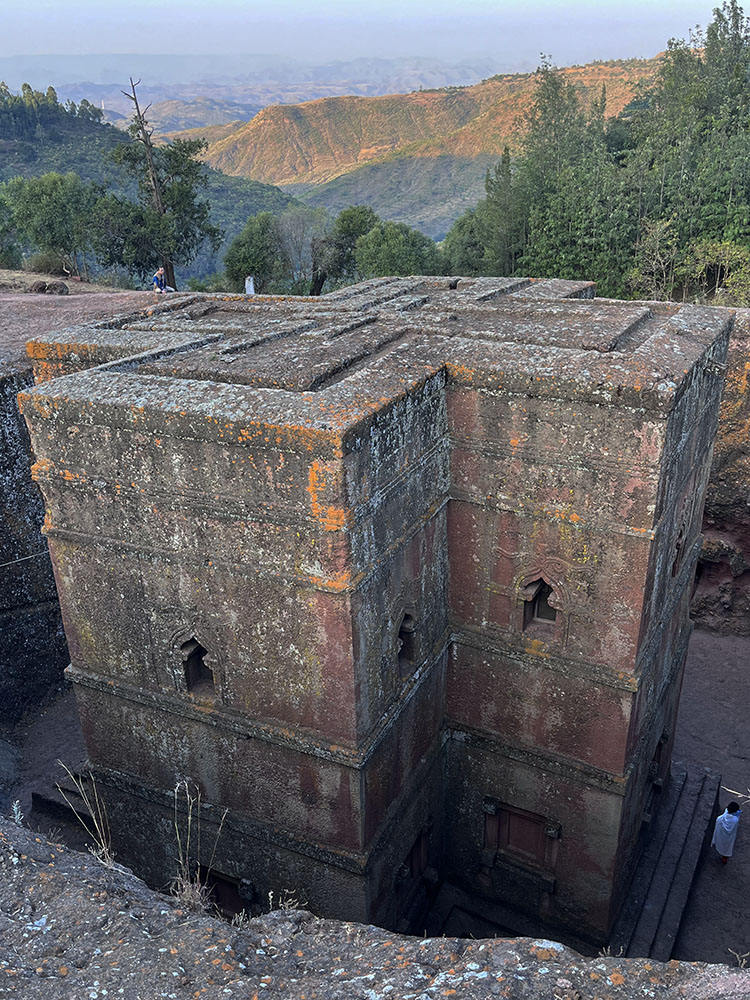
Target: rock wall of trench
721,601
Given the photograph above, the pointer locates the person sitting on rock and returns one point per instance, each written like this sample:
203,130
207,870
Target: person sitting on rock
160,282
725,831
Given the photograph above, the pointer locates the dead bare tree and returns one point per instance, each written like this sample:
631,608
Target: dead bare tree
142,132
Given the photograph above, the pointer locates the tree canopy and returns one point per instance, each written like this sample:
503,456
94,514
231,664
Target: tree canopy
53,213
626,201
257,251
298,252
395,248
170,178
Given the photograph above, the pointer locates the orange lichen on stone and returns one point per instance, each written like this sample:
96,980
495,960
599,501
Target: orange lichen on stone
537,647
72,477
336,582
545,954
42,467
330,518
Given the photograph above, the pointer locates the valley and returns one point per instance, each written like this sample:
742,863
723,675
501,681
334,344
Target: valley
418,158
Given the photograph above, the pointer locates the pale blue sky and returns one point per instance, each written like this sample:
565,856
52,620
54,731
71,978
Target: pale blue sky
514,33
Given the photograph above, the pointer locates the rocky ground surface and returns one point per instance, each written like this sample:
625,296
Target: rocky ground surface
21,281
23,312
71,927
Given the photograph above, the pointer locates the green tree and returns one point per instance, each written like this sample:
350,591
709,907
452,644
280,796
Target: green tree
350,224
710,264
127,235
464,246
10,252
501,222
580,219
653,273
691,161
301,230
54,213
395,248
259,251
170,178
562,208
333,254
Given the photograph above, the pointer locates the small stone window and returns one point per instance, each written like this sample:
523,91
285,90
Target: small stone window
537,609
199,678
407,652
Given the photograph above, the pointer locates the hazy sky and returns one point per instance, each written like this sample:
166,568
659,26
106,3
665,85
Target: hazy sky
514,33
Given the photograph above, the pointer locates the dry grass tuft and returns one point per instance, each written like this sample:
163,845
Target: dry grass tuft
97,828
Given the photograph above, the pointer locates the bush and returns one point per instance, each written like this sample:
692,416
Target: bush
211,283
115,279
10,258
44,263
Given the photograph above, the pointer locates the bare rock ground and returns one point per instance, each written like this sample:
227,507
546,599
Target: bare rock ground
70,927
24,314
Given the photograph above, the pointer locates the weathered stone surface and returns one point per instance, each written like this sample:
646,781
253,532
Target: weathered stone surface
72,928
33,651
299,545
722,597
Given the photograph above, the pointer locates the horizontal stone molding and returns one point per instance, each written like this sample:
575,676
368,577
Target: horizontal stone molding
238,724
541,760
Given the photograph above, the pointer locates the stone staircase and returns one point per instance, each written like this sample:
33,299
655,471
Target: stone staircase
650,918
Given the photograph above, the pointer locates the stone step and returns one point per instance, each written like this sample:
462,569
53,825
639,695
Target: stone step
701,829
650,920
624,929
666,870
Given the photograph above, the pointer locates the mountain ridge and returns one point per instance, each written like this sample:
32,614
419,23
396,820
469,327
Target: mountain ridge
318,141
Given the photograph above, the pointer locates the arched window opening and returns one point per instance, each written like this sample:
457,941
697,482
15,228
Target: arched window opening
407,644
199,678
537,609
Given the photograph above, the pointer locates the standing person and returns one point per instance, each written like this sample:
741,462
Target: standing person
725,831
160,282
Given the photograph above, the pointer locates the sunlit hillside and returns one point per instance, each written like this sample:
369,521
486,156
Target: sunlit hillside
317,141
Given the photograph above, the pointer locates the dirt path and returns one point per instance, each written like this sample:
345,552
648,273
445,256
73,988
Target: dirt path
713,731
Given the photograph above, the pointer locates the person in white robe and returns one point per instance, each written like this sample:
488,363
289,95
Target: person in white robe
725,831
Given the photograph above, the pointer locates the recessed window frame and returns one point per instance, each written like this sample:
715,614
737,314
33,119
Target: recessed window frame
199,677
538,612
406,644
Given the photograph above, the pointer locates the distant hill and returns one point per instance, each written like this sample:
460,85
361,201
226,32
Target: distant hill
341,149
172,116
427,192
227,80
